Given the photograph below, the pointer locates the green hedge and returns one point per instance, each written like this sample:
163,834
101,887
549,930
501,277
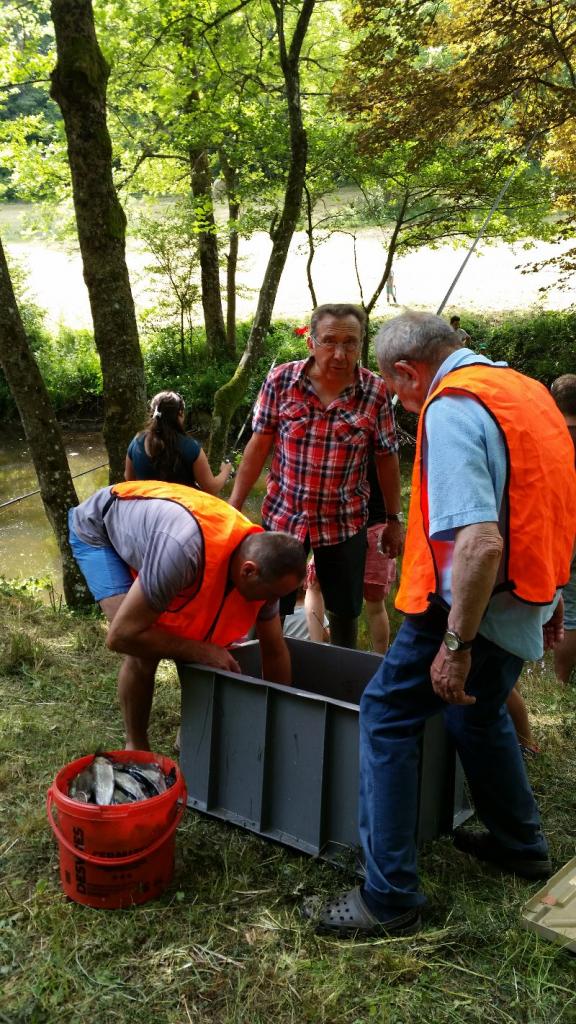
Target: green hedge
539,343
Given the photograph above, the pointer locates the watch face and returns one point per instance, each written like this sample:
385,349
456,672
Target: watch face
451,640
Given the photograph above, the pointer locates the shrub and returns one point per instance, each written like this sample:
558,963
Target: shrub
70,366
539,343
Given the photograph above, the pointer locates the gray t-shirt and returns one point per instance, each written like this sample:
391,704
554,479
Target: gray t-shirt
157,537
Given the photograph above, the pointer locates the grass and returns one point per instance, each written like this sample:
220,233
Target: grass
226,943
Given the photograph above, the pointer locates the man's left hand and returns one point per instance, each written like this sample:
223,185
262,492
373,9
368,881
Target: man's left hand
392,538
449,672
553,630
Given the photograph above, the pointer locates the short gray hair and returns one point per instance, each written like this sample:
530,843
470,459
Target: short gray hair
339,310
421,337
563,391
276,554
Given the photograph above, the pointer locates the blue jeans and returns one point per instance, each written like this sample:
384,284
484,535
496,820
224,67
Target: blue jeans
393,711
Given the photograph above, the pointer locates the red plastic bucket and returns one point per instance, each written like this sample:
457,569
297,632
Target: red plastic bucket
119,855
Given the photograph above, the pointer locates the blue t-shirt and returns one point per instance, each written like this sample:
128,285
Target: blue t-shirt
466,479
188,448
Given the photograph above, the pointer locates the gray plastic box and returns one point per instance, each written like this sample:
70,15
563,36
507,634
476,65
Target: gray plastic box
283,761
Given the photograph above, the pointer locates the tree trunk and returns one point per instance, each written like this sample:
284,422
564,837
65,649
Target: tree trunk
42,432
230,177
201,183
229,396
311,247
387,268
79,83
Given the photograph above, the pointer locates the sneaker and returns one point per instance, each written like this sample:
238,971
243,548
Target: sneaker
483,846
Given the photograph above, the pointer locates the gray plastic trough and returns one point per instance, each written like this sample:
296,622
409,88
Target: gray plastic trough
283,761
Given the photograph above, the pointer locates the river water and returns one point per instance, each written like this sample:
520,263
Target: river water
28,548
27,544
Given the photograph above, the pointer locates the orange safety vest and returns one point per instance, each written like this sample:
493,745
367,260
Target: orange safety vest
212,609
539,493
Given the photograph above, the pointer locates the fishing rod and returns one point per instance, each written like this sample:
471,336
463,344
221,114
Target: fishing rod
488,218
483,227
30,494
245,423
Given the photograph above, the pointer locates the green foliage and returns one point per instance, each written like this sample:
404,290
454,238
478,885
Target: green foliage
539,343
71,370
200,379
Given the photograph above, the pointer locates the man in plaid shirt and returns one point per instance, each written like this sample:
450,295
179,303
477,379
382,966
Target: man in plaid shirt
319,417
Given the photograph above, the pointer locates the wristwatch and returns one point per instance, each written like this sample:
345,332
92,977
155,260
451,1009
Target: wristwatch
394,517
454,641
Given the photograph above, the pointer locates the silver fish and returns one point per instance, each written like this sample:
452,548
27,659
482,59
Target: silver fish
128,784
82,786
119,797
151,775
103,780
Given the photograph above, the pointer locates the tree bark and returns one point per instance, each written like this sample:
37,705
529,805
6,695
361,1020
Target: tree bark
79,83
201,184
369,306
42,432
229,396
230,176
311,247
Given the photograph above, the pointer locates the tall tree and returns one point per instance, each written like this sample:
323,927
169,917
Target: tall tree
79,83
42,432
419,197
228,397
476,70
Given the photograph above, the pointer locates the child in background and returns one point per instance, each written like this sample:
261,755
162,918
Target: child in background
163,450
305,624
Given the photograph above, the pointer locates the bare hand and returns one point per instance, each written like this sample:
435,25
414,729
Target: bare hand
553,630
217,657
226,466
449,673
392,538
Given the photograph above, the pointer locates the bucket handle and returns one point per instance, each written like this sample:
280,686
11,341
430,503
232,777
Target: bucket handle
111,861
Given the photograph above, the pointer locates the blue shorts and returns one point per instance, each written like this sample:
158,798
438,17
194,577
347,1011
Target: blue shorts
106,574
569,595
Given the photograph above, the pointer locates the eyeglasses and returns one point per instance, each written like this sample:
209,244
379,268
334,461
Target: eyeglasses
331,346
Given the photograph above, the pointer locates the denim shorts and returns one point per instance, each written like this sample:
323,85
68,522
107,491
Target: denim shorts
106,574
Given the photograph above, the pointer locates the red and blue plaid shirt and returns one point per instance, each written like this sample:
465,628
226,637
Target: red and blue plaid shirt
317,482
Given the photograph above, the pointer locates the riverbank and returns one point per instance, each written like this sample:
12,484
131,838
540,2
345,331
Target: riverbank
496,279
226,943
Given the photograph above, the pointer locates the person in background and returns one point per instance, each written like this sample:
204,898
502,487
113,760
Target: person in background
298,624
163,450
490,536
563,391
379,575
519,714
380,569
390,288
318,417
318,624
463,335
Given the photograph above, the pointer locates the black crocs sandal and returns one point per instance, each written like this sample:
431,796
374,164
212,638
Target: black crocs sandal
348,916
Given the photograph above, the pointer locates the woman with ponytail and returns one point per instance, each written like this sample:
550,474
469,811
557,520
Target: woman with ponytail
163,451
